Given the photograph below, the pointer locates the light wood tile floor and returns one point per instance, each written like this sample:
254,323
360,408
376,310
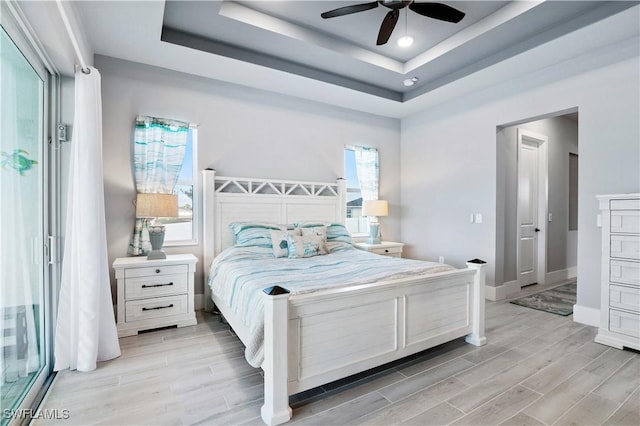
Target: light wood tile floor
538,369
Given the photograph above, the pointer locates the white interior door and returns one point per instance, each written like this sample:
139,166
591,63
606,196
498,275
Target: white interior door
528,196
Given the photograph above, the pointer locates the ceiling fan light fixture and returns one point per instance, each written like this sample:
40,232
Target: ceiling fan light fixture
437,11
405,41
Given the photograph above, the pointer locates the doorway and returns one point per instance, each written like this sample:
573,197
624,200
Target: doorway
536,188
531,207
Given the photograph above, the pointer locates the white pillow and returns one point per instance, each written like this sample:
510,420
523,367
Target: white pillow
317,231
280,243
305,246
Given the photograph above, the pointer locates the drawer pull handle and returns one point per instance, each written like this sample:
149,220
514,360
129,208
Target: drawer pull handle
158,307
156,285
386,250
157,271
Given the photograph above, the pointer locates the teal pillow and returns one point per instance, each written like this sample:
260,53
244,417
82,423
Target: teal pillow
250,234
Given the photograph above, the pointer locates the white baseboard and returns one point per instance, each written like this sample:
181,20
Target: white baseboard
198,302
502,291
561,275
513,287
490,292
586,315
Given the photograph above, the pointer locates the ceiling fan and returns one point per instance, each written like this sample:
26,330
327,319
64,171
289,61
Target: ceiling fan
431,10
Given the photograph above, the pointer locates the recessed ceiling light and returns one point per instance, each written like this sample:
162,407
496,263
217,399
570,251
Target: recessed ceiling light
410,81
405,41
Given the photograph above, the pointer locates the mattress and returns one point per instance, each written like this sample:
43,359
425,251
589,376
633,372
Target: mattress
239,274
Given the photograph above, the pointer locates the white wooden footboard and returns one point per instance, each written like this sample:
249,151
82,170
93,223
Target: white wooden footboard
316,338
313,339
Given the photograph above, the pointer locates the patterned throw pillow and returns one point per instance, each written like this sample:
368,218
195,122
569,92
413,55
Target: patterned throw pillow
305,246
317,231
280,243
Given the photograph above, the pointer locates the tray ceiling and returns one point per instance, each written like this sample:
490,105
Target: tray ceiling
286,47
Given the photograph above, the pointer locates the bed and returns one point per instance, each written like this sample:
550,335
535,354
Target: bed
300,341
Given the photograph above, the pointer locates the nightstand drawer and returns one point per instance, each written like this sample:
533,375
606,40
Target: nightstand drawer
137,310
155,286
155,270
384,248
391,251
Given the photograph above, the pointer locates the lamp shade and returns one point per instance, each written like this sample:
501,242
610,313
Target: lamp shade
375,208
157,205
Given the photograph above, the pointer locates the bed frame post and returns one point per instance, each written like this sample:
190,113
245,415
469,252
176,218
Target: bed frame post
477,336
276,408
208,221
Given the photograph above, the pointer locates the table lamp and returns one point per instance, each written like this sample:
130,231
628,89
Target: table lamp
153,206
374,209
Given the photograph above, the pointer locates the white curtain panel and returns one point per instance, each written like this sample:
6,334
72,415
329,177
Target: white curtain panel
368,171
86,329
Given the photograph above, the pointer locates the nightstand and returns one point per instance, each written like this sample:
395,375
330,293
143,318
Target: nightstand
385,248
155,293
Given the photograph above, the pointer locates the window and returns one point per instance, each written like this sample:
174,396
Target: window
182,230
355,222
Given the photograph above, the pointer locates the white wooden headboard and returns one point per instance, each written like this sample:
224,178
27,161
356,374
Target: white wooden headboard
233,199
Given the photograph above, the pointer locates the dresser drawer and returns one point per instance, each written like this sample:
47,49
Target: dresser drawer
155,286
625,221
625,246
627,298
625,323
624,272
629,204
137,310
391,251
155,270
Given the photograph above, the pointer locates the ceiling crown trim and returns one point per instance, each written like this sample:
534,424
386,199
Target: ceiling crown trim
266,22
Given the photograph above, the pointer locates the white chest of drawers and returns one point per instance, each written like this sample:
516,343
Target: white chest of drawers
620,297
155,293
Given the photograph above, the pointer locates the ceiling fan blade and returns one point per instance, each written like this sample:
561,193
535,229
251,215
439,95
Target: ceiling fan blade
388,24
438,11
347,10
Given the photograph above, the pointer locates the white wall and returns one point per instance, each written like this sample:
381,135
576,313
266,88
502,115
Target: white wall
449,157
242,132
562,249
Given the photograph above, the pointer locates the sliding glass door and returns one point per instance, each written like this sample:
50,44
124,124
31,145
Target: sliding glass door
23,221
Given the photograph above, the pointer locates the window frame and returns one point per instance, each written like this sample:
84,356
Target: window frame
195,216
357,236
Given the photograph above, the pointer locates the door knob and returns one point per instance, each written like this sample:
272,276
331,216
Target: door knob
537,230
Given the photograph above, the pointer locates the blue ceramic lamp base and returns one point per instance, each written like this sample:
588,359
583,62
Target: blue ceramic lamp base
156,236
374,233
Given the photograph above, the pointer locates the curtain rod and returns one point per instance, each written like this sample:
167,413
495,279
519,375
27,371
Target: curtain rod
65,19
